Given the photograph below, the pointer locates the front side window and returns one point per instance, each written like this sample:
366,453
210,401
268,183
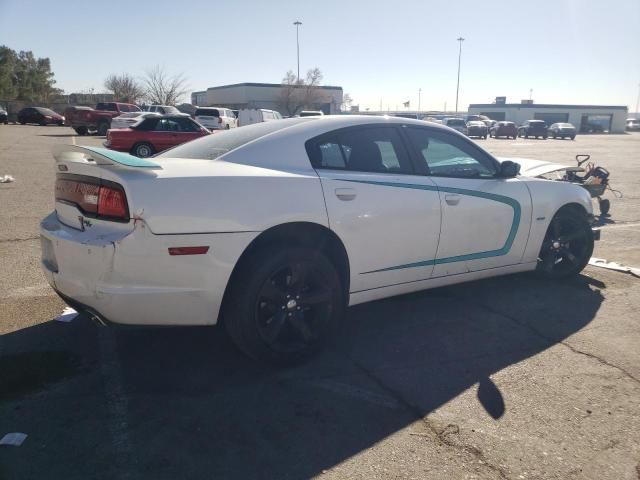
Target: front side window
447,156
187,125
372,149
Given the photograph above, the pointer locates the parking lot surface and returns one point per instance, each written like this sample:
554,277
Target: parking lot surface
508,378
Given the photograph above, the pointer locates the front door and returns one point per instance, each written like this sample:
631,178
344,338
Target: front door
485,218
387,216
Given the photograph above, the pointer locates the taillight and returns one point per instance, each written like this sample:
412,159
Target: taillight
219,120
93,197
112,203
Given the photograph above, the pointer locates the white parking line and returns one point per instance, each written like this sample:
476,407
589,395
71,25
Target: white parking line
73,140
620,225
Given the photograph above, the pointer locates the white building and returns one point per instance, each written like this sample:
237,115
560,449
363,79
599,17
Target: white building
262,95
586,118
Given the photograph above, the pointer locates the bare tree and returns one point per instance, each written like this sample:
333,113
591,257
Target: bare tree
163,89
346,102
125,88
298,94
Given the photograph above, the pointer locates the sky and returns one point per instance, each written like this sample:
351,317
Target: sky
381,52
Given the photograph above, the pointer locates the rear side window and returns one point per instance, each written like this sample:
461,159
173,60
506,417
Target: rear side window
110,107
187,125
370,149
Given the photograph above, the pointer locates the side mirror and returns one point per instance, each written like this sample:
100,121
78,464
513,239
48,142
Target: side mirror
509,169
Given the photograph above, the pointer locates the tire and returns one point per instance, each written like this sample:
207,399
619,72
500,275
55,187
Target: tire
544,137
142,150
21,122
102,128
573,138
82,131
484,137
265,309
567,245
553,135
605,206
526,135
227,127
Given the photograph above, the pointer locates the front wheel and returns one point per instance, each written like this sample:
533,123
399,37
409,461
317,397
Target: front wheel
567,245
284,304
102,128
81,130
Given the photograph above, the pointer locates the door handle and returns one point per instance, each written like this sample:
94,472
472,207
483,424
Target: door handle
452,199
345,194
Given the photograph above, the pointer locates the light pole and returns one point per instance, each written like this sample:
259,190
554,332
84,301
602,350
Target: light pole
419,94
638,103
460,40
297,23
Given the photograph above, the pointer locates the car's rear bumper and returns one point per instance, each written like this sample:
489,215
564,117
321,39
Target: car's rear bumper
130,278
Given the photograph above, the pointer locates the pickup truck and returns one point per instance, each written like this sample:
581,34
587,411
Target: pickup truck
86,120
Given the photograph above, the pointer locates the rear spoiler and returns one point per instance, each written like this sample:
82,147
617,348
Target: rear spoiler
101,156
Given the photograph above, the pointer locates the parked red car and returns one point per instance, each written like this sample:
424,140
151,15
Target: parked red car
85,120
39,115
154,134
504,129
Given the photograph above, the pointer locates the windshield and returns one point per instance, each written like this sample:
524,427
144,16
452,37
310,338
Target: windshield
213,146
207,112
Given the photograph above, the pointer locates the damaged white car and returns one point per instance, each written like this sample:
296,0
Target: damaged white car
275,228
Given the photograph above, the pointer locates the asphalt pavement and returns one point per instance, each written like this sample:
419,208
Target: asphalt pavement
508,378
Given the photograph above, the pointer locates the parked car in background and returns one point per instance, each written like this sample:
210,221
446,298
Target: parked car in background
39,115
311,113
562,130
4,116
632,125
533,128
477,128
456,123
129,119
216,118
164,110
482,118
504,129
248,116
85,120
295,222
154,134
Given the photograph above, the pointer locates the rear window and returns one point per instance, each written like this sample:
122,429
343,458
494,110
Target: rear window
213,146
208,112
111,107
456,122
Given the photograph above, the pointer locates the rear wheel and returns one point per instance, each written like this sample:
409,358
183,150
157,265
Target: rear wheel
284,304
604,205
567,245
142,150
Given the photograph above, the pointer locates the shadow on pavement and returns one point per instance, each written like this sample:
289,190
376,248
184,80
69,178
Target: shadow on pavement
182,403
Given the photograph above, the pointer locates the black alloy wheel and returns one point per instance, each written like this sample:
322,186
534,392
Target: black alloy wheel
567,245
285,305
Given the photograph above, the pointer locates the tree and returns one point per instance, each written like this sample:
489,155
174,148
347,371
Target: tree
125,88
162,89
298,94
346,102
25,77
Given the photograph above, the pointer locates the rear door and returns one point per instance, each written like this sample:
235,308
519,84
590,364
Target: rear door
387,217
485,218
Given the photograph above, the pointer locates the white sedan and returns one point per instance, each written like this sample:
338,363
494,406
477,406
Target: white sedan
130,119
276,227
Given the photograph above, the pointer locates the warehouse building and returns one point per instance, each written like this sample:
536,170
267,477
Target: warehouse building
265,95
586,118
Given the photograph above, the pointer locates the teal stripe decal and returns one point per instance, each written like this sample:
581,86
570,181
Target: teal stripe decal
123,158
514,204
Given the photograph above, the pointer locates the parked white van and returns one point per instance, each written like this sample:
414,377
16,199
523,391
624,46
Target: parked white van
248,116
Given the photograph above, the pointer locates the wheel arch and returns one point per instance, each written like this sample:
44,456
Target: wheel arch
308,234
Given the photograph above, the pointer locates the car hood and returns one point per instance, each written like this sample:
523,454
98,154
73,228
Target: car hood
535,168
